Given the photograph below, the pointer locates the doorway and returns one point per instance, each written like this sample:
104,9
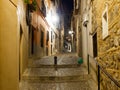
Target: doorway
20,52
95,45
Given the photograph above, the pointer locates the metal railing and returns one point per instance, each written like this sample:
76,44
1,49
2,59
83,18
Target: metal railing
101,69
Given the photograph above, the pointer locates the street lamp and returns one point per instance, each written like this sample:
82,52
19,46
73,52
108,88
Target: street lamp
70,32
52,18
55,18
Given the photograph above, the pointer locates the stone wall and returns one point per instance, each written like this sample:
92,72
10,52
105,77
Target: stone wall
109,47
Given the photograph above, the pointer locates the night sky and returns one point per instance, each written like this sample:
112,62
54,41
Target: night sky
68,5
67,11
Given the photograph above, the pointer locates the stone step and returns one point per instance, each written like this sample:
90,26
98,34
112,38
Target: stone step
54,72
53,66
82,85
57,79
61,60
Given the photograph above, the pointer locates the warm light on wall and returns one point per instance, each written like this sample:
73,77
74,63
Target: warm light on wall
19,12
55,18
48,17
52,18
85,19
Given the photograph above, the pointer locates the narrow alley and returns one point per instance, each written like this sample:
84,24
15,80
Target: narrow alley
67,75
59,44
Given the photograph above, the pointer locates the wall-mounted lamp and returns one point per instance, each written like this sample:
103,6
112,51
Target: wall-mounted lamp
71,32
85,19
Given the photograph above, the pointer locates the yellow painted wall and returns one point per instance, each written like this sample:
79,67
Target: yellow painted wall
9,44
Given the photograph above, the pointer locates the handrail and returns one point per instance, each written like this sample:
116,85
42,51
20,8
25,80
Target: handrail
106,73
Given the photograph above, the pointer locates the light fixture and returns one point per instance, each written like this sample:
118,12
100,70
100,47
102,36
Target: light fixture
55,18
70,32
52,18
85,19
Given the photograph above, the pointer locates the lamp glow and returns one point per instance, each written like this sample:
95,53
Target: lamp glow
70,32
55,18
52,18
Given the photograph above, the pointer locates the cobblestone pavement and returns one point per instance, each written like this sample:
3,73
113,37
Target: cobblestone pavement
42,75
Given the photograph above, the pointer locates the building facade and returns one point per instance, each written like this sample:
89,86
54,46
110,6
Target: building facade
46,35
106,25
29,35
100,34
81,25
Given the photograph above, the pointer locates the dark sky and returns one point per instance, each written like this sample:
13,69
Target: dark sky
68,5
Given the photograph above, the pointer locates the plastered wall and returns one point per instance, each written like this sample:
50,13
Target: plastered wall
9,45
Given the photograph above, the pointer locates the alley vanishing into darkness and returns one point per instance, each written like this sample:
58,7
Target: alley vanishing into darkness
84,35
42,74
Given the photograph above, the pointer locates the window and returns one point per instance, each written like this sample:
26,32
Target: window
32,40
51,49
47,38
51,36
43,9
105,22
42,38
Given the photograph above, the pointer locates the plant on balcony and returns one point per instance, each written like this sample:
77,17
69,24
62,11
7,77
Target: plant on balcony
32,4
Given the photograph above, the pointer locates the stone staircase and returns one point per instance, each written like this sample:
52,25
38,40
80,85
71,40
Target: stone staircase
46,76
43,74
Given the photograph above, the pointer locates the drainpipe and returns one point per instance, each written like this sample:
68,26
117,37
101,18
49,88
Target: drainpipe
85,22
87,52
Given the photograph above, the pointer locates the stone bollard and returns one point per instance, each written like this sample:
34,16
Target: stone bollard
55,62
